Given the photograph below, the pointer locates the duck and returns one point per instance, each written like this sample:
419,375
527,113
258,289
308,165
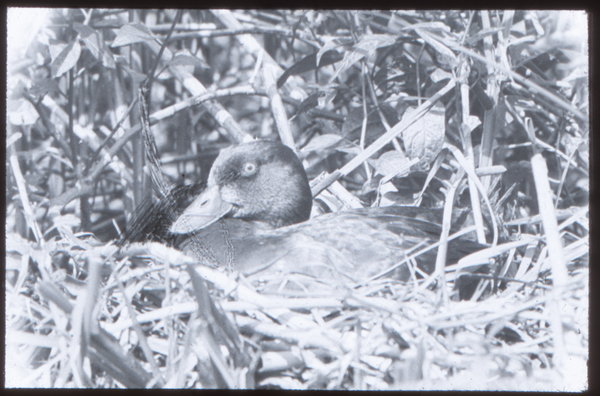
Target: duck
253,216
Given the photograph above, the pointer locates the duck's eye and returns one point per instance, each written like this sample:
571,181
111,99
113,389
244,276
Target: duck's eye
249,168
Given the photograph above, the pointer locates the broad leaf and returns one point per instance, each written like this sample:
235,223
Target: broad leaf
92,41
67,59
424,138
391,163
90,38
439,47
185,58
132,33
365,46
329,45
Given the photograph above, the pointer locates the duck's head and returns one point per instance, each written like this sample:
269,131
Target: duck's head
258,181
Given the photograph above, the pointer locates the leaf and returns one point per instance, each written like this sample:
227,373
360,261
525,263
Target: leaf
90,38
309,103
365,46
391,163
372,42
66,221
472,123
16,243
56,185
121,60
321,142
424,138
483,256
519,27
67,59
432,26
393,330
41,86
92,41
439,47
55,47
185,58
352,127
108,59
329,45
54,153
278,361
34,180
108,23
354,150
135,76
309,63
397,23
12,263
439,75
132,33
573,143
331,91
481,34
21,112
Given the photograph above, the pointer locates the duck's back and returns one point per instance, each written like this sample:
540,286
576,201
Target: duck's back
346,247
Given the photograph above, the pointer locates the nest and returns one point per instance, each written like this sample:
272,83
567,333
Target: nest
214,328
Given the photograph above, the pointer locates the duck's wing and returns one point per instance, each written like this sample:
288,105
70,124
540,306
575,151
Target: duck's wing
341,248
421,225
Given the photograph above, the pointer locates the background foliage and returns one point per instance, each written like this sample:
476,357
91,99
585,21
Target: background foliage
509,84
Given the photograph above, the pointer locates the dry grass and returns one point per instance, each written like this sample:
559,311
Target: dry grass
384,335
82,313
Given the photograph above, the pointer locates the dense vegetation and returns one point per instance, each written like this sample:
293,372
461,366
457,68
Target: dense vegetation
481,111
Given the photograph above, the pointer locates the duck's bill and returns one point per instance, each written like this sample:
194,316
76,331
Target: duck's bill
205,210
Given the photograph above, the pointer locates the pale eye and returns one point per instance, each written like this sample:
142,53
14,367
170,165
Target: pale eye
249,168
